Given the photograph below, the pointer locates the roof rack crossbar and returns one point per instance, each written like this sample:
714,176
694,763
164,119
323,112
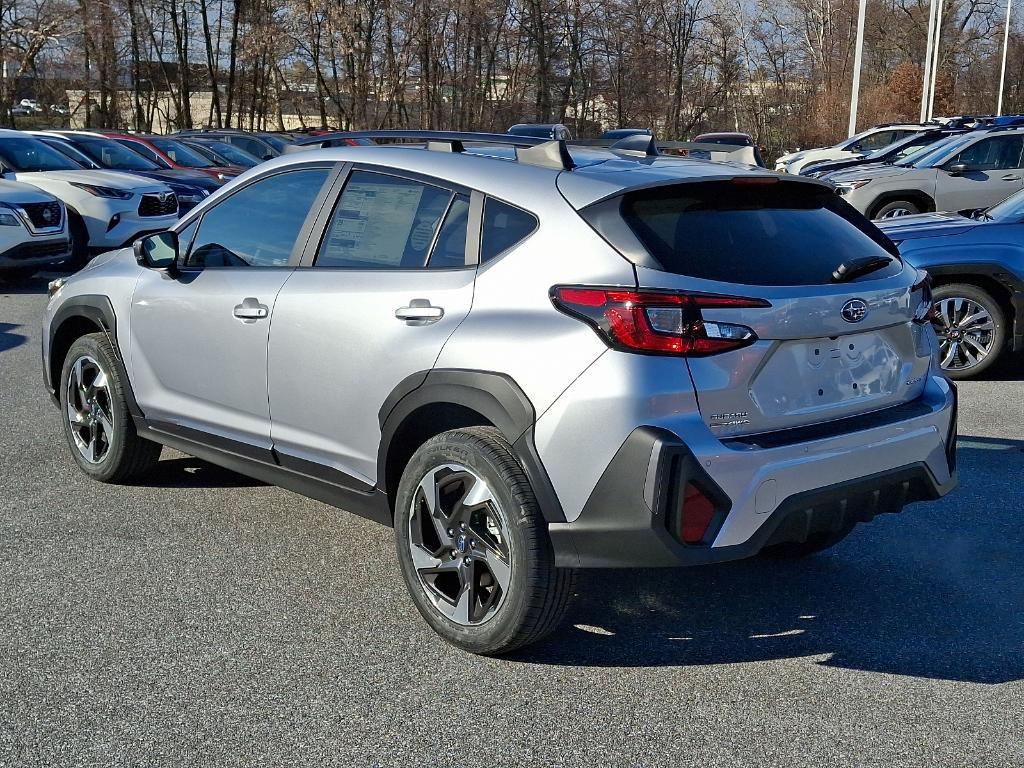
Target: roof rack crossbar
531,150
414,135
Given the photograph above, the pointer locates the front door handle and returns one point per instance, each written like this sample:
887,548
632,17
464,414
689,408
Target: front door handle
420,312
1011,177
251,310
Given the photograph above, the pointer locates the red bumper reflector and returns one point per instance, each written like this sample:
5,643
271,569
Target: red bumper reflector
695,516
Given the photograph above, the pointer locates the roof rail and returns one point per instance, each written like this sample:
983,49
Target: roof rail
532,150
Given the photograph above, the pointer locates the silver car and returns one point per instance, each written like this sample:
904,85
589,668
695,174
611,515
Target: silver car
527,359
972,171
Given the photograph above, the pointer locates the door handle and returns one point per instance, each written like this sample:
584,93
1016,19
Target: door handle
420,312
1011,177
250,309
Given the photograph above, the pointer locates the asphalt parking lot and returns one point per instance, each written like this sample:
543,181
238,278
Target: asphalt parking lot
205,619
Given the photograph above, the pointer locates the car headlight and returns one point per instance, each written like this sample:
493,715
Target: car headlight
197,197
110,192
9,218
846,187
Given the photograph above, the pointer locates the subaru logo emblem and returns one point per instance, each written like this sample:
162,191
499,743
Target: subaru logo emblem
854,310
461,542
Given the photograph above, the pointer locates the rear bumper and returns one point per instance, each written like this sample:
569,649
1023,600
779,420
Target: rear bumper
764,496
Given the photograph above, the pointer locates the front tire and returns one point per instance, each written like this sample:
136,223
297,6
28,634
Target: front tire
98,427
473,547
971,328
896,208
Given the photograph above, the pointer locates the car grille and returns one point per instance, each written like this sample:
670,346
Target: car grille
43,215
38,250
152,205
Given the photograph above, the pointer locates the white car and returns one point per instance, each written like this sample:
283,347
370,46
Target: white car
106,209
33,230
864,142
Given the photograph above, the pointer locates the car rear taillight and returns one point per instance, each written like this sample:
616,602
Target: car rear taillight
695,516
656,322
926,311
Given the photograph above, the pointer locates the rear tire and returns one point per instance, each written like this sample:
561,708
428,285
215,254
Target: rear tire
896,208
98,427
473,546
816,542
971,320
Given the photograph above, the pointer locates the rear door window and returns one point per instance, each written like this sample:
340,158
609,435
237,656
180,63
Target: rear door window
783,233
384,222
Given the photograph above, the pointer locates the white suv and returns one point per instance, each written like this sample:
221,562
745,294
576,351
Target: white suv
860,144
106,209
33,230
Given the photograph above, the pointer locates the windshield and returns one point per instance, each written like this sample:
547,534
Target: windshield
181,154
275,141
68,149
1010,210
937,153
30,155
232,154
110,154
905,146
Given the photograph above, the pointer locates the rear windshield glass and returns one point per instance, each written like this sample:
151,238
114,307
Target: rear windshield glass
782,233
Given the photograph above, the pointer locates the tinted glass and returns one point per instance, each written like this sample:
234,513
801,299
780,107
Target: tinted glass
504,226
766,234
32,155
181,154
232,154
383,222
993,154
449,251
253,147
276,142
110,154
257,226
68,149
145,151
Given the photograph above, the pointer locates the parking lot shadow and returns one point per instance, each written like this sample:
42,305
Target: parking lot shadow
190,472
935,592
9,339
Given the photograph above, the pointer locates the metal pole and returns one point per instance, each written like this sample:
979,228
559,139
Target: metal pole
1002,72
935,59
858,54
927,78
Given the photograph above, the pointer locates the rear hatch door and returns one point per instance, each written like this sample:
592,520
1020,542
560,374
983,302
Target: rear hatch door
826,348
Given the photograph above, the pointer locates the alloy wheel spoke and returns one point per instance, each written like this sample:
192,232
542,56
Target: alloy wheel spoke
950,354
497,565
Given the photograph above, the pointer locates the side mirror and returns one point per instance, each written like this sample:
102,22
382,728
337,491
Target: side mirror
158,251
957,168
268,156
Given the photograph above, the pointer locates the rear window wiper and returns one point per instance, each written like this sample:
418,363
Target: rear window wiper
854,268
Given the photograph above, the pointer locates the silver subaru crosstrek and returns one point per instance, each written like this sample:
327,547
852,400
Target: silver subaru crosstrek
527,357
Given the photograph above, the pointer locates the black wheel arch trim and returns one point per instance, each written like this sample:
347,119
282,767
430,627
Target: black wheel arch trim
495,396
910,195
100,311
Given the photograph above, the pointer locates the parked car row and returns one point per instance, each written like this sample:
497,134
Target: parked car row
104,189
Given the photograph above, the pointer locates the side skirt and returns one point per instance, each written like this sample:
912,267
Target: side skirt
368,502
